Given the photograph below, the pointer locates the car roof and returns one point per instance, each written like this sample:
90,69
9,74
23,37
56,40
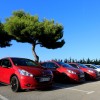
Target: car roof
89,64
14,58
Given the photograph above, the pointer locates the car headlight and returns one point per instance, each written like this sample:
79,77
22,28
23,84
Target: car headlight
72,72
91,71
25,73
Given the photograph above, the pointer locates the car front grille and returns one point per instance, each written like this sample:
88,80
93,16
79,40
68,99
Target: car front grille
81,75
38,79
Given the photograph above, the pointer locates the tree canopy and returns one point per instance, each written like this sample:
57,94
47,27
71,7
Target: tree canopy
4,37
26,28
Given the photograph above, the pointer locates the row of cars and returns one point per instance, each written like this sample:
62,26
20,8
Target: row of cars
22,73
71,71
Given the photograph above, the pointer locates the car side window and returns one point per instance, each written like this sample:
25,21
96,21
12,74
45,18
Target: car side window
88,65
92,67
73,65
51,65
5,63
44,65
0,62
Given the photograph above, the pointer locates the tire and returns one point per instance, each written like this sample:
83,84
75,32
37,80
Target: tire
64,78
15,86
87,77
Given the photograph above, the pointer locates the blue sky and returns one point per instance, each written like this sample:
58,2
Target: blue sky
81,21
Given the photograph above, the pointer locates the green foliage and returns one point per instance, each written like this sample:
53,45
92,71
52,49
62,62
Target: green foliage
24,27
4,37
51,34
83,61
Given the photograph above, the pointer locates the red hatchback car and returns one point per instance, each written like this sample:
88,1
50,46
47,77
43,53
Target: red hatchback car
89,72
24,73
63,71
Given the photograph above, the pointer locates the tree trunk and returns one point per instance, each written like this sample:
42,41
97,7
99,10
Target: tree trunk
34,53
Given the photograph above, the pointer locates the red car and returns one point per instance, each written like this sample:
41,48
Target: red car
63,71
89,72
24,73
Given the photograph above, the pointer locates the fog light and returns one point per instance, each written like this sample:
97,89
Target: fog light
28,85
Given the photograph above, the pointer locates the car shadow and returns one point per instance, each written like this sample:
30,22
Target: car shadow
62,85
57,86
1,84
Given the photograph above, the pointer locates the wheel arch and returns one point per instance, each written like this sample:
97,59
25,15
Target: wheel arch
18,84
12,76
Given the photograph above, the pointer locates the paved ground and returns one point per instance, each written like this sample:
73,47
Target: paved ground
60,91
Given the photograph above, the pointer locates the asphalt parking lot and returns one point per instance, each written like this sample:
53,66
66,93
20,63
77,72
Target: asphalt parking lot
61,91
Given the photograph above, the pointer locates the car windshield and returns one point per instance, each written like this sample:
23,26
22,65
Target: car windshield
97,66
65,65
23,62
82,65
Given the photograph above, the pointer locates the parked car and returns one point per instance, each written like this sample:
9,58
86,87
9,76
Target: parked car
95,67
64,72
24,73
89,72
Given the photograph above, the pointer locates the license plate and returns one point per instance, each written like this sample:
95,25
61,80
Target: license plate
44,79
81,75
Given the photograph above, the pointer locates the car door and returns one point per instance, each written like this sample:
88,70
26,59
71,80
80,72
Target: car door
0,71
6,71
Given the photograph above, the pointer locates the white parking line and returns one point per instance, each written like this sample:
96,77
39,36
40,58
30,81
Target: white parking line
3,98
90,92
87,92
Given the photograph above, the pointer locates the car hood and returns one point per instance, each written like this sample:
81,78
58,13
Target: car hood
36,71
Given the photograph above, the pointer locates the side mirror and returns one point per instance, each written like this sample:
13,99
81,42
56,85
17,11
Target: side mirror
43,66
55,66
78,67
4,66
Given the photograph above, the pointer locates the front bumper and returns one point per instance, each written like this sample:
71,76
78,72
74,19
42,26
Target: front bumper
77,77
35,82
94,76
